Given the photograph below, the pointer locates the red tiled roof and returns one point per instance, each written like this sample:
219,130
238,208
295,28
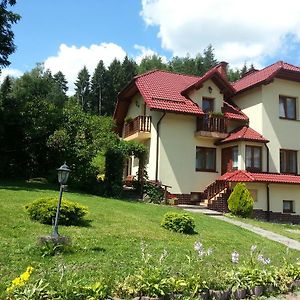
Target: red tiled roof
215,74
245,176
161,90
244,133
233,113
167,91
264,75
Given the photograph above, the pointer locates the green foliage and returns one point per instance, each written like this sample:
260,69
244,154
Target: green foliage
240,201
83,89
43,210
154,192
114,165
151,281
7,19
178,222
82,138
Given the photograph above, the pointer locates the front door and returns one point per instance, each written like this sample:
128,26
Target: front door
229,159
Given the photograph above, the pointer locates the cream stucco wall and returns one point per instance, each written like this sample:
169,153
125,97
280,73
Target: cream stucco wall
177,161
283,134
280,192
261,105
197,95
250,102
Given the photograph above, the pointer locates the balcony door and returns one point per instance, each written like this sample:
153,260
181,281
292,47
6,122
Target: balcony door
229,159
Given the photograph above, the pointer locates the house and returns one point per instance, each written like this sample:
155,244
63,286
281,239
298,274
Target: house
205,134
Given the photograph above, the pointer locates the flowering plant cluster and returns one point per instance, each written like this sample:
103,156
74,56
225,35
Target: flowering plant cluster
254,275
21,280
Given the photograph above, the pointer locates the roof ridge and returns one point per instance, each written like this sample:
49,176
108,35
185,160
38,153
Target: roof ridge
146,73
258,71
168,71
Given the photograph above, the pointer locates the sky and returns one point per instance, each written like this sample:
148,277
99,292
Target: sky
65,35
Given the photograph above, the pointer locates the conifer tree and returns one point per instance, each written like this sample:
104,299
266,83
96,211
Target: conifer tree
61,81
129,68
83,89
98,88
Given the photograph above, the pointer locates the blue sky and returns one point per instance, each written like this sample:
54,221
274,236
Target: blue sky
68,34
46,24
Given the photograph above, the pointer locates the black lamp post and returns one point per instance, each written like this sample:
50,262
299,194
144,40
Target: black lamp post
63,175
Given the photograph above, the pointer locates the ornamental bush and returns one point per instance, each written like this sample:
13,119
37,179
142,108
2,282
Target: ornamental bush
240,201
178,222
43,210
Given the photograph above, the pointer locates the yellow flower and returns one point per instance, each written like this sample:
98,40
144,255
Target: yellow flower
21,280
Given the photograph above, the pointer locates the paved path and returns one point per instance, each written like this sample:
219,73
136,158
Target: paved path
290,243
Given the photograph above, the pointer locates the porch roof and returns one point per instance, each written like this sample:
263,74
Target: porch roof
244,133
245,176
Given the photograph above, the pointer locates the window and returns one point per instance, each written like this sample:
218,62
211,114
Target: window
207,104
287,107
235,157
205,159
288,161
253,158
288,206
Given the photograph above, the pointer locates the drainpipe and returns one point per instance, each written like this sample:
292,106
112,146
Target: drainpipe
268,202
157,145
268,187
268,157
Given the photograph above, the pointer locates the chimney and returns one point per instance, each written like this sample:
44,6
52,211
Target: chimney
222,68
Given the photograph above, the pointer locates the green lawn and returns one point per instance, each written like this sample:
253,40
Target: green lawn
279,228
110,246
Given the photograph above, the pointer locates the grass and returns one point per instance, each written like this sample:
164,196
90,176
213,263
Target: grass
110,246
279,228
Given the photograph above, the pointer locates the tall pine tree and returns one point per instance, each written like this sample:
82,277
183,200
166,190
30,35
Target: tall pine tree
98,88
115,84
82,90
129,67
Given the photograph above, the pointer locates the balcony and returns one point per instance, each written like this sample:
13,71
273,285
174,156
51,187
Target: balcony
211,126
138,129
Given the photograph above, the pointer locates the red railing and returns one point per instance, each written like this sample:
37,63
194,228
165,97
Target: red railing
212,123
140,123
215,188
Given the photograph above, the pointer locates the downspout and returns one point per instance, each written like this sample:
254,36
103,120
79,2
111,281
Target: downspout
268,157
268,202
268,187
157,145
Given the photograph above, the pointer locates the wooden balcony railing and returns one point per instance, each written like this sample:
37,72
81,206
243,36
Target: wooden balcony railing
215,188
138,124
212,123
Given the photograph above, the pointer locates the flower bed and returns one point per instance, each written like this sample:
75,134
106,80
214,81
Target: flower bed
253,277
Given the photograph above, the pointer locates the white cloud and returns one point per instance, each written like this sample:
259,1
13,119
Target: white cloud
71,59
10,72
238,30
144,52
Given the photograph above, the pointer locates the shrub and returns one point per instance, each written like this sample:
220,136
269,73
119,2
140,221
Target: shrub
240,201
153,193
43,210
178,222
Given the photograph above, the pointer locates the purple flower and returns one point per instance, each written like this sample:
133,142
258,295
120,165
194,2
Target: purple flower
235,257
